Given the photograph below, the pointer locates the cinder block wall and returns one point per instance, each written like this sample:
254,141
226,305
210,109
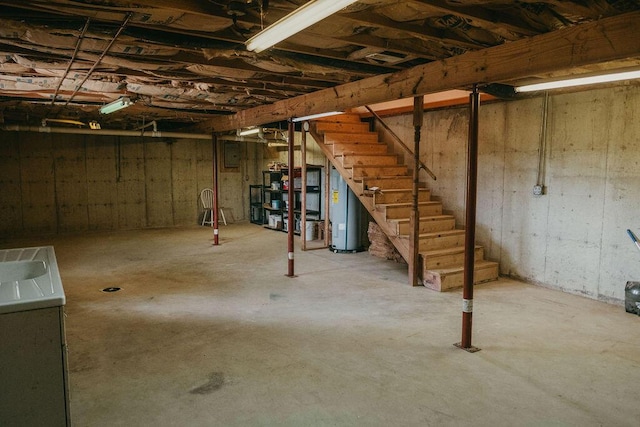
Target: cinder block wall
573,237
52,183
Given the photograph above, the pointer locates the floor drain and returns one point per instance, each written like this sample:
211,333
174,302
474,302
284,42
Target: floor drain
110,289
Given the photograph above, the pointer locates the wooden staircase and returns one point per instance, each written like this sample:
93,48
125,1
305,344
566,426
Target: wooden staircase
366,163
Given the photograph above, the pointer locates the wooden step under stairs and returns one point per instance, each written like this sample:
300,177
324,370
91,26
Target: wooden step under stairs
384,186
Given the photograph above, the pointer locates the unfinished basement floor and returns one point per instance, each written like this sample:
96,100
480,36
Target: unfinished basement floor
218,336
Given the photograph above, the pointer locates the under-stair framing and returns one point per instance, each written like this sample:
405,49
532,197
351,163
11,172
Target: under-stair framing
384,186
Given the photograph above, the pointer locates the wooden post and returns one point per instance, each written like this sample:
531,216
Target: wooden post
470,222
291,196
303,193
214,208
414,245
327,199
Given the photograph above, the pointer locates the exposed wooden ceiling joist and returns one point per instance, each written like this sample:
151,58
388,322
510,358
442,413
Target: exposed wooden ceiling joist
189,55
609,39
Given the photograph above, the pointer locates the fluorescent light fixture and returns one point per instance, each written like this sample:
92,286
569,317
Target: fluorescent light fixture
301,18
580,81
315,116
116,105
250,131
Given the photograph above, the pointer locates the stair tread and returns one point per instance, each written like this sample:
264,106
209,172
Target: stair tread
349,118
423,218
368,155
388,177
405,204
458,269
436,234
453,250
400,190
341,132
379,166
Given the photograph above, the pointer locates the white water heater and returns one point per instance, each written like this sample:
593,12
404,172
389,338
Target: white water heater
345,213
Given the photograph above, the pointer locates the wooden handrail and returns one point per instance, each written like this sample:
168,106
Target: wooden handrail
402,144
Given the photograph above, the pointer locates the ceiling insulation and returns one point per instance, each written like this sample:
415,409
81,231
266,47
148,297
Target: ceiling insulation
184,61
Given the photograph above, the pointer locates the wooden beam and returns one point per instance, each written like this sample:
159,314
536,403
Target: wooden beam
609,39
417,31
481,15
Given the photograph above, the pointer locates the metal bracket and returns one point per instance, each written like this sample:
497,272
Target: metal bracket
471,349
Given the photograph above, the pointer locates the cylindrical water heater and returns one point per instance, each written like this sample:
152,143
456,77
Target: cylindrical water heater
345,214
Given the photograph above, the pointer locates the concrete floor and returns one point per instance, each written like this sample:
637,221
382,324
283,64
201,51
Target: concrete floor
218,336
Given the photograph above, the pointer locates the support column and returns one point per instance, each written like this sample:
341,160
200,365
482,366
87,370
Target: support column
291,195
214,208
303,193
470,222
327,199
414,245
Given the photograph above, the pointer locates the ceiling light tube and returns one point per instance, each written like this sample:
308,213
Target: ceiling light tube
315,116
250,131
116,105
301,18
580,81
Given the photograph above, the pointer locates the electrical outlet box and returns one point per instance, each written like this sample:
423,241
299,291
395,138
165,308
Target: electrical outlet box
538,190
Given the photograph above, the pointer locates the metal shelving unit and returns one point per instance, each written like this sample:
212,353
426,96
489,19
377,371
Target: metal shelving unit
275,197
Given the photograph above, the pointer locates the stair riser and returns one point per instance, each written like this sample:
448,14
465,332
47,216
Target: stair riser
377,171
397,212
387,183
342,118
401,197
352,160
342,127
364,148
443,242
443,261
447,282
335,138
428,226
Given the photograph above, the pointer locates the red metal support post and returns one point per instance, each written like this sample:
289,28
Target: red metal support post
470,222
214,207
291,197
414,267
303,193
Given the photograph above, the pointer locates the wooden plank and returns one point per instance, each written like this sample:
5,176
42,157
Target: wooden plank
402,195
441,240
453,278
358,148
608,39
386,182
442,258
360,171
333,137
403,210
351,160
345,127
344,118
428,224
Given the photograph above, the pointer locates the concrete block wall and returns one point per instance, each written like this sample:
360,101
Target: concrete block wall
53,183
574,237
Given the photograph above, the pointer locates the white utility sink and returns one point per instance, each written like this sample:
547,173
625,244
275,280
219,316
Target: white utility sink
29,279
